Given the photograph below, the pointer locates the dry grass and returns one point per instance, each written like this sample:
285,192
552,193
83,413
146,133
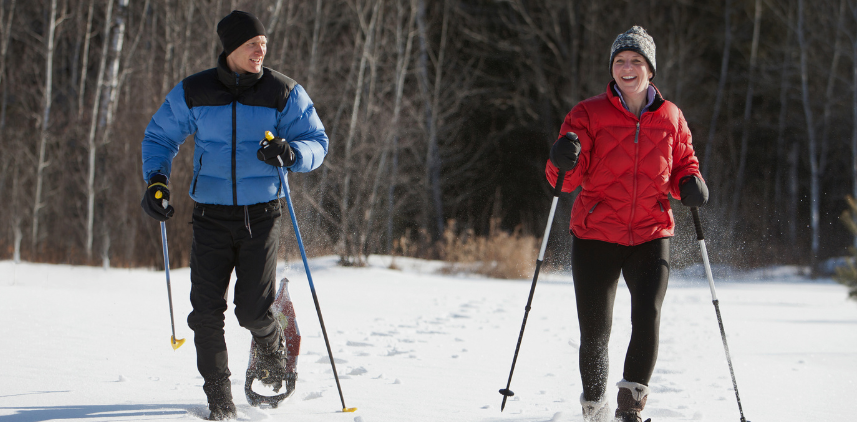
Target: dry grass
500,255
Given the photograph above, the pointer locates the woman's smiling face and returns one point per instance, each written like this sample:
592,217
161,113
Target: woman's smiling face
631,72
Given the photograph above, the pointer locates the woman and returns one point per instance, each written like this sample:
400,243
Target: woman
633,149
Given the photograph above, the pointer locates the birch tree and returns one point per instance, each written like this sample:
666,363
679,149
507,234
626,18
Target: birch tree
93,144
347,244
43,129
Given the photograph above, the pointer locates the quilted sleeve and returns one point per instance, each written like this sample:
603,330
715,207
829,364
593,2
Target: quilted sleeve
303,129
167,130
577,121
685,162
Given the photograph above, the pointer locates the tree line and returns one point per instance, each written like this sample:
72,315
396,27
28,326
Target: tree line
440,114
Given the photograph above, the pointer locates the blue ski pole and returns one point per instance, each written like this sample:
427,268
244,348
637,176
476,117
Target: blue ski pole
285,184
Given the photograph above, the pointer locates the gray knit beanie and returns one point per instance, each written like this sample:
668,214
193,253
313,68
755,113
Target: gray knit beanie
637,40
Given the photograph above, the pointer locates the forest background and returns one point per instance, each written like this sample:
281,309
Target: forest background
440,114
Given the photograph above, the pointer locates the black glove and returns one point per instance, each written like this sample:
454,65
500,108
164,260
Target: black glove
156,199
565,152
693,191
276,152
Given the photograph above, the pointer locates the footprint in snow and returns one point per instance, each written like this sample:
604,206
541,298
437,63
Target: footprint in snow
358,371
358,344
312,395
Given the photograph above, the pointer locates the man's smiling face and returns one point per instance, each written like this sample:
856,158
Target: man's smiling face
249,57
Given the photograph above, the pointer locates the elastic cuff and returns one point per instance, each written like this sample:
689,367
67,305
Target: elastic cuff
159,178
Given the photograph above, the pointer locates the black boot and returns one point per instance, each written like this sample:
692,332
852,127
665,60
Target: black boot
271,362
219,393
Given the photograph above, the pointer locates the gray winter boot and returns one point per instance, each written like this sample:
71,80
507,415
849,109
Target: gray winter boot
595,411
631,401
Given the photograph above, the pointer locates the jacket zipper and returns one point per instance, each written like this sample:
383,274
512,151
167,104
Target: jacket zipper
234,145
634,194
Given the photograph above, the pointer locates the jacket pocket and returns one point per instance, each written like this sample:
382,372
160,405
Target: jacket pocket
663,214
590,209
197,172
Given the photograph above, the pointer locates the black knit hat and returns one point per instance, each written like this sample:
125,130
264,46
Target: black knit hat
236,28
637,40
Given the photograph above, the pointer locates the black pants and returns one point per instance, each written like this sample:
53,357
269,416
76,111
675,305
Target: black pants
596,266
227,238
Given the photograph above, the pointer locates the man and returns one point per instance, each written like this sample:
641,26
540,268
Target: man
236,189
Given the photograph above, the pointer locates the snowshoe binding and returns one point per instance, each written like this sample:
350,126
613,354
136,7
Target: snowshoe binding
277,365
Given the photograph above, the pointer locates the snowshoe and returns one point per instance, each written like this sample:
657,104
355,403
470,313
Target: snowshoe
273,367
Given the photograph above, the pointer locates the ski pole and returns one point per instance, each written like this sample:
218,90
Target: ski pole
704,251
506,392
176,343
269,136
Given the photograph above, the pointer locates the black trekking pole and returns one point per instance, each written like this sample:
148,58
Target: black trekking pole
704,251
506,392
284,182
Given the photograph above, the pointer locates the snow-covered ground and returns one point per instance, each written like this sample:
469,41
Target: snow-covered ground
82,343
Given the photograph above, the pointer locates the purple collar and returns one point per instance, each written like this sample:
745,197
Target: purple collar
650,98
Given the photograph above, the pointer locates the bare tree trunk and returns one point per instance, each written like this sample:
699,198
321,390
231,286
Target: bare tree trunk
854,114
432,176
748,111
402,61
272,23
794,163
721,86
169,17
783,157
16,214
86,39
92,145
313,56
828,93
345,214
187,39
108,102
43,135
433,153
7,35
810,129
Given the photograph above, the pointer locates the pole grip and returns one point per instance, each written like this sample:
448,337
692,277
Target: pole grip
558,186
697,223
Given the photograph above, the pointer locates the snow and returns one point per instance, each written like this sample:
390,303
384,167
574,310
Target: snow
84,343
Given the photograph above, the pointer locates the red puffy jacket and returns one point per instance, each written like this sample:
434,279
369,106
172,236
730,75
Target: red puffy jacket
627,166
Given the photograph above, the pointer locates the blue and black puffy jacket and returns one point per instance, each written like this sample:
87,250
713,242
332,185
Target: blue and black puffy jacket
228,115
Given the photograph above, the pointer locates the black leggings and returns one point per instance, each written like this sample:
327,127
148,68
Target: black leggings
596,266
